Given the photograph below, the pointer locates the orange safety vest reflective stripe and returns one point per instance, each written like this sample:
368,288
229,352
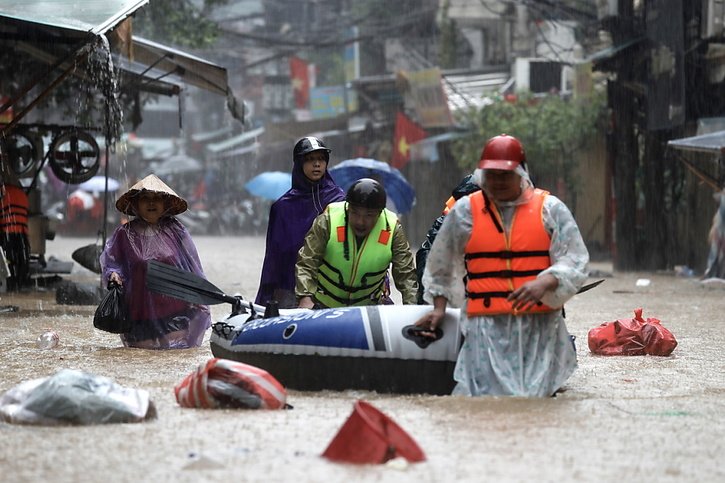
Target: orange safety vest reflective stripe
13,210
449,204
497,263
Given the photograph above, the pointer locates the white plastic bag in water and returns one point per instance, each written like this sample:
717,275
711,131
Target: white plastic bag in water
74,397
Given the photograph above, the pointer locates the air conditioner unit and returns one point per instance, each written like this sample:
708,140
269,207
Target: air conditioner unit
713,17
542,75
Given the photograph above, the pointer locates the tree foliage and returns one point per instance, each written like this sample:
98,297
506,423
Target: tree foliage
551,128
178,22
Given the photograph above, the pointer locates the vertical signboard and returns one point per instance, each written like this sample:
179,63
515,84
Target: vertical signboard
431,102
351,55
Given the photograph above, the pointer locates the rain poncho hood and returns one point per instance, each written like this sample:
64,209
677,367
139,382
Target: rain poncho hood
290,217
527,186
161,322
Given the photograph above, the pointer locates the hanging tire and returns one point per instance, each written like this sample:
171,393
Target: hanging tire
74,157
22,151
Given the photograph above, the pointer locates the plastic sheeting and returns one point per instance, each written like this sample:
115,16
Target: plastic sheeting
632,337
75,397
160,322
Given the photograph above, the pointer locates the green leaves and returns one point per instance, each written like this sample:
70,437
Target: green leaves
177,22
551,128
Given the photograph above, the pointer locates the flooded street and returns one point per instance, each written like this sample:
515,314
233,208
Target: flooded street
620,418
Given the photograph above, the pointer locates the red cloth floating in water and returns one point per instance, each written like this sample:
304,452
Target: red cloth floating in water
632,337
221,383
369,436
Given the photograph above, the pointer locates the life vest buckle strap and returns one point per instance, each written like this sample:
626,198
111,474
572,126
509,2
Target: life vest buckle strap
507,254
487,295
503,274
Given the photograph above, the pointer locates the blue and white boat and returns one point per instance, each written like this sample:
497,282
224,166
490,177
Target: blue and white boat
372,348
375,348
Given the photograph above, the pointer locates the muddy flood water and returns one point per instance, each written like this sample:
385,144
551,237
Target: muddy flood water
620,418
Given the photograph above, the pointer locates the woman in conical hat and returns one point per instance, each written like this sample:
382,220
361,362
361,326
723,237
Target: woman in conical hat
154,234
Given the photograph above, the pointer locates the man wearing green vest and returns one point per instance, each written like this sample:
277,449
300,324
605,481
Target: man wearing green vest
346,254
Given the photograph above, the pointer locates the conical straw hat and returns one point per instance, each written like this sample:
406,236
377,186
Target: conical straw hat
151,183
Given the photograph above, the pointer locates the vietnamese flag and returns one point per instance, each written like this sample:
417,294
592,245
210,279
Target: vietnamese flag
406,133
299,75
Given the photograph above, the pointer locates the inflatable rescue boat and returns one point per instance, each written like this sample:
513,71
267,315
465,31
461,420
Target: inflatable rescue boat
372,348
375,348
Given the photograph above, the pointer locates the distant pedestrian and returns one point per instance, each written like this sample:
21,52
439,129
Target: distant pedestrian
291,216
522,256
716,256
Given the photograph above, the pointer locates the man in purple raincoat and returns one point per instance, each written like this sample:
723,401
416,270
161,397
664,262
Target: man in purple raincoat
291,216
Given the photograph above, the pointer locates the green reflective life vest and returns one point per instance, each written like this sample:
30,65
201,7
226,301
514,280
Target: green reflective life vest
359,280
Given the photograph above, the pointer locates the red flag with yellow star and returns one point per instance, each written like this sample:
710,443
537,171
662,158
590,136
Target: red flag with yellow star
299,76
406,133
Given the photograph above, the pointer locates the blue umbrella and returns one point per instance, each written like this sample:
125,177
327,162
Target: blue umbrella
270,184
399,191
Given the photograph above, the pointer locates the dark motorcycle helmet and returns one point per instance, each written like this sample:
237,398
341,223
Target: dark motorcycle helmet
307,145
367,193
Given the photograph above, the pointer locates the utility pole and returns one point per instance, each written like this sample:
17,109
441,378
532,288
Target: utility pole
623,97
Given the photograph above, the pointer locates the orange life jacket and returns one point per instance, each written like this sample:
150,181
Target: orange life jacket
13,210
498,264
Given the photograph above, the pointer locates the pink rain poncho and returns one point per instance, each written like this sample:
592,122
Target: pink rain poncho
161,322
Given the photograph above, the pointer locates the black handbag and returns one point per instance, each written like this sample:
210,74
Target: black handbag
111,315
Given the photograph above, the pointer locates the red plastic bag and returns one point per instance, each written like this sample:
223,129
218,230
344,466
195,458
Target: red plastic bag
632,337
221,383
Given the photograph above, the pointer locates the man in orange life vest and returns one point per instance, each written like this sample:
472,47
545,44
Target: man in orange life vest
345,257
14,207
522,256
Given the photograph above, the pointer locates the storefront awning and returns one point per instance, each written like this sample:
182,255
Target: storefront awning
427,149
132,74
191,69
241,140
713,143
87,16
468,90
42,28
56,31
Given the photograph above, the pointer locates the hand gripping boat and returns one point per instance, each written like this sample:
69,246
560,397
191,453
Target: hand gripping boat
372,348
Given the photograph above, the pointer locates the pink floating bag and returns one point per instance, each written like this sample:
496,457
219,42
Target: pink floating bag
632,337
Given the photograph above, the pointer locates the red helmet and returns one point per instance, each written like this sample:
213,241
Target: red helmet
502,152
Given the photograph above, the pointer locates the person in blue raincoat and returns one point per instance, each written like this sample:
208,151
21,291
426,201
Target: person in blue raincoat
523,257
291,216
